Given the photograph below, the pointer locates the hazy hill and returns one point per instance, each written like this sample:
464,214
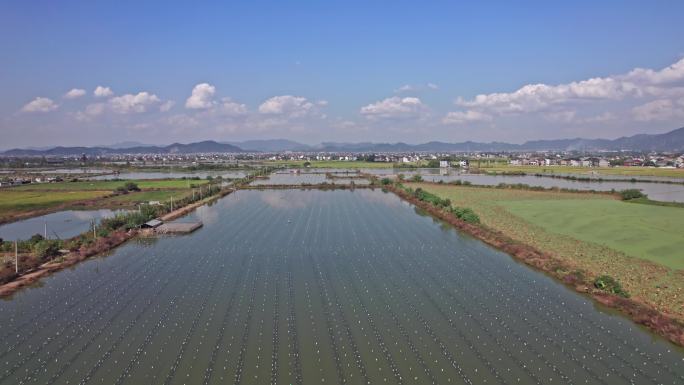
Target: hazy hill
208,146
670,141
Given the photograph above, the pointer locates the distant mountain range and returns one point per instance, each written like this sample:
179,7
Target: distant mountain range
670,141
208,146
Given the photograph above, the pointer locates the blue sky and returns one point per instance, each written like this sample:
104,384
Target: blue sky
337,71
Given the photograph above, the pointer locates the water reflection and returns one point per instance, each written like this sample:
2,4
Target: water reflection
63,224
349,291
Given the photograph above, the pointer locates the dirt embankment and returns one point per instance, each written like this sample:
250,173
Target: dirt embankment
640,312
192,206
74,257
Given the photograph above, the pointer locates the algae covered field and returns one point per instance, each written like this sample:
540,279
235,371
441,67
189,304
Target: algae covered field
302,287
655,233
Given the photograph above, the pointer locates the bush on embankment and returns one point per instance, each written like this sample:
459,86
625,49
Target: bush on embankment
632,193
463,213
611,285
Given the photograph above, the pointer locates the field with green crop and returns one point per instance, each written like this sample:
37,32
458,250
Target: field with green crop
654,233
146,196
623,171
13,202
107,185
584,230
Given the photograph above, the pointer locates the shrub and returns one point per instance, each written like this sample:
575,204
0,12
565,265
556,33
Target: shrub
417,178
35,238
46,249
130,186
631,194
385,181
610,285
465,214
121,190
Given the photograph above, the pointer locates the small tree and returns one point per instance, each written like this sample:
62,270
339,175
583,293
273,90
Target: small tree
130,186
417,178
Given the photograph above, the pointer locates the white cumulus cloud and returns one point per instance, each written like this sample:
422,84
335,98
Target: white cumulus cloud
167,105
395,108
658,93
91,111
202,97
659,110
40,104
290,106
102,92
230,108
130,103
75,93
462,117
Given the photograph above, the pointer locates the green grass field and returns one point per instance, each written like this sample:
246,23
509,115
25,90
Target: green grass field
146,196
109,185
622,171
34,197
12,201
654,233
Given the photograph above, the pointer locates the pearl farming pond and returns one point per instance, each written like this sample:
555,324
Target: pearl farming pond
308,286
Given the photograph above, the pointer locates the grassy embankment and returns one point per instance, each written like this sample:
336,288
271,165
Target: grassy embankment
640,245
37,199
618,171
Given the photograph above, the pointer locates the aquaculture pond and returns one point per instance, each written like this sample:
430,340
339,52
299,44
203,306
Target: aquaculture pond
303,287
62,224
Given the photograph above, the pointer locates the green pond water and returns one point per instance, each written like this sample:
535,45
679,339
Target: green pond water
318,287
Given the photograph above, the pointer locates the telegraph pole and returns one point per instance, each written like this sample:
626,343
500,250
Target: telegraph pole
16,257
45,231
